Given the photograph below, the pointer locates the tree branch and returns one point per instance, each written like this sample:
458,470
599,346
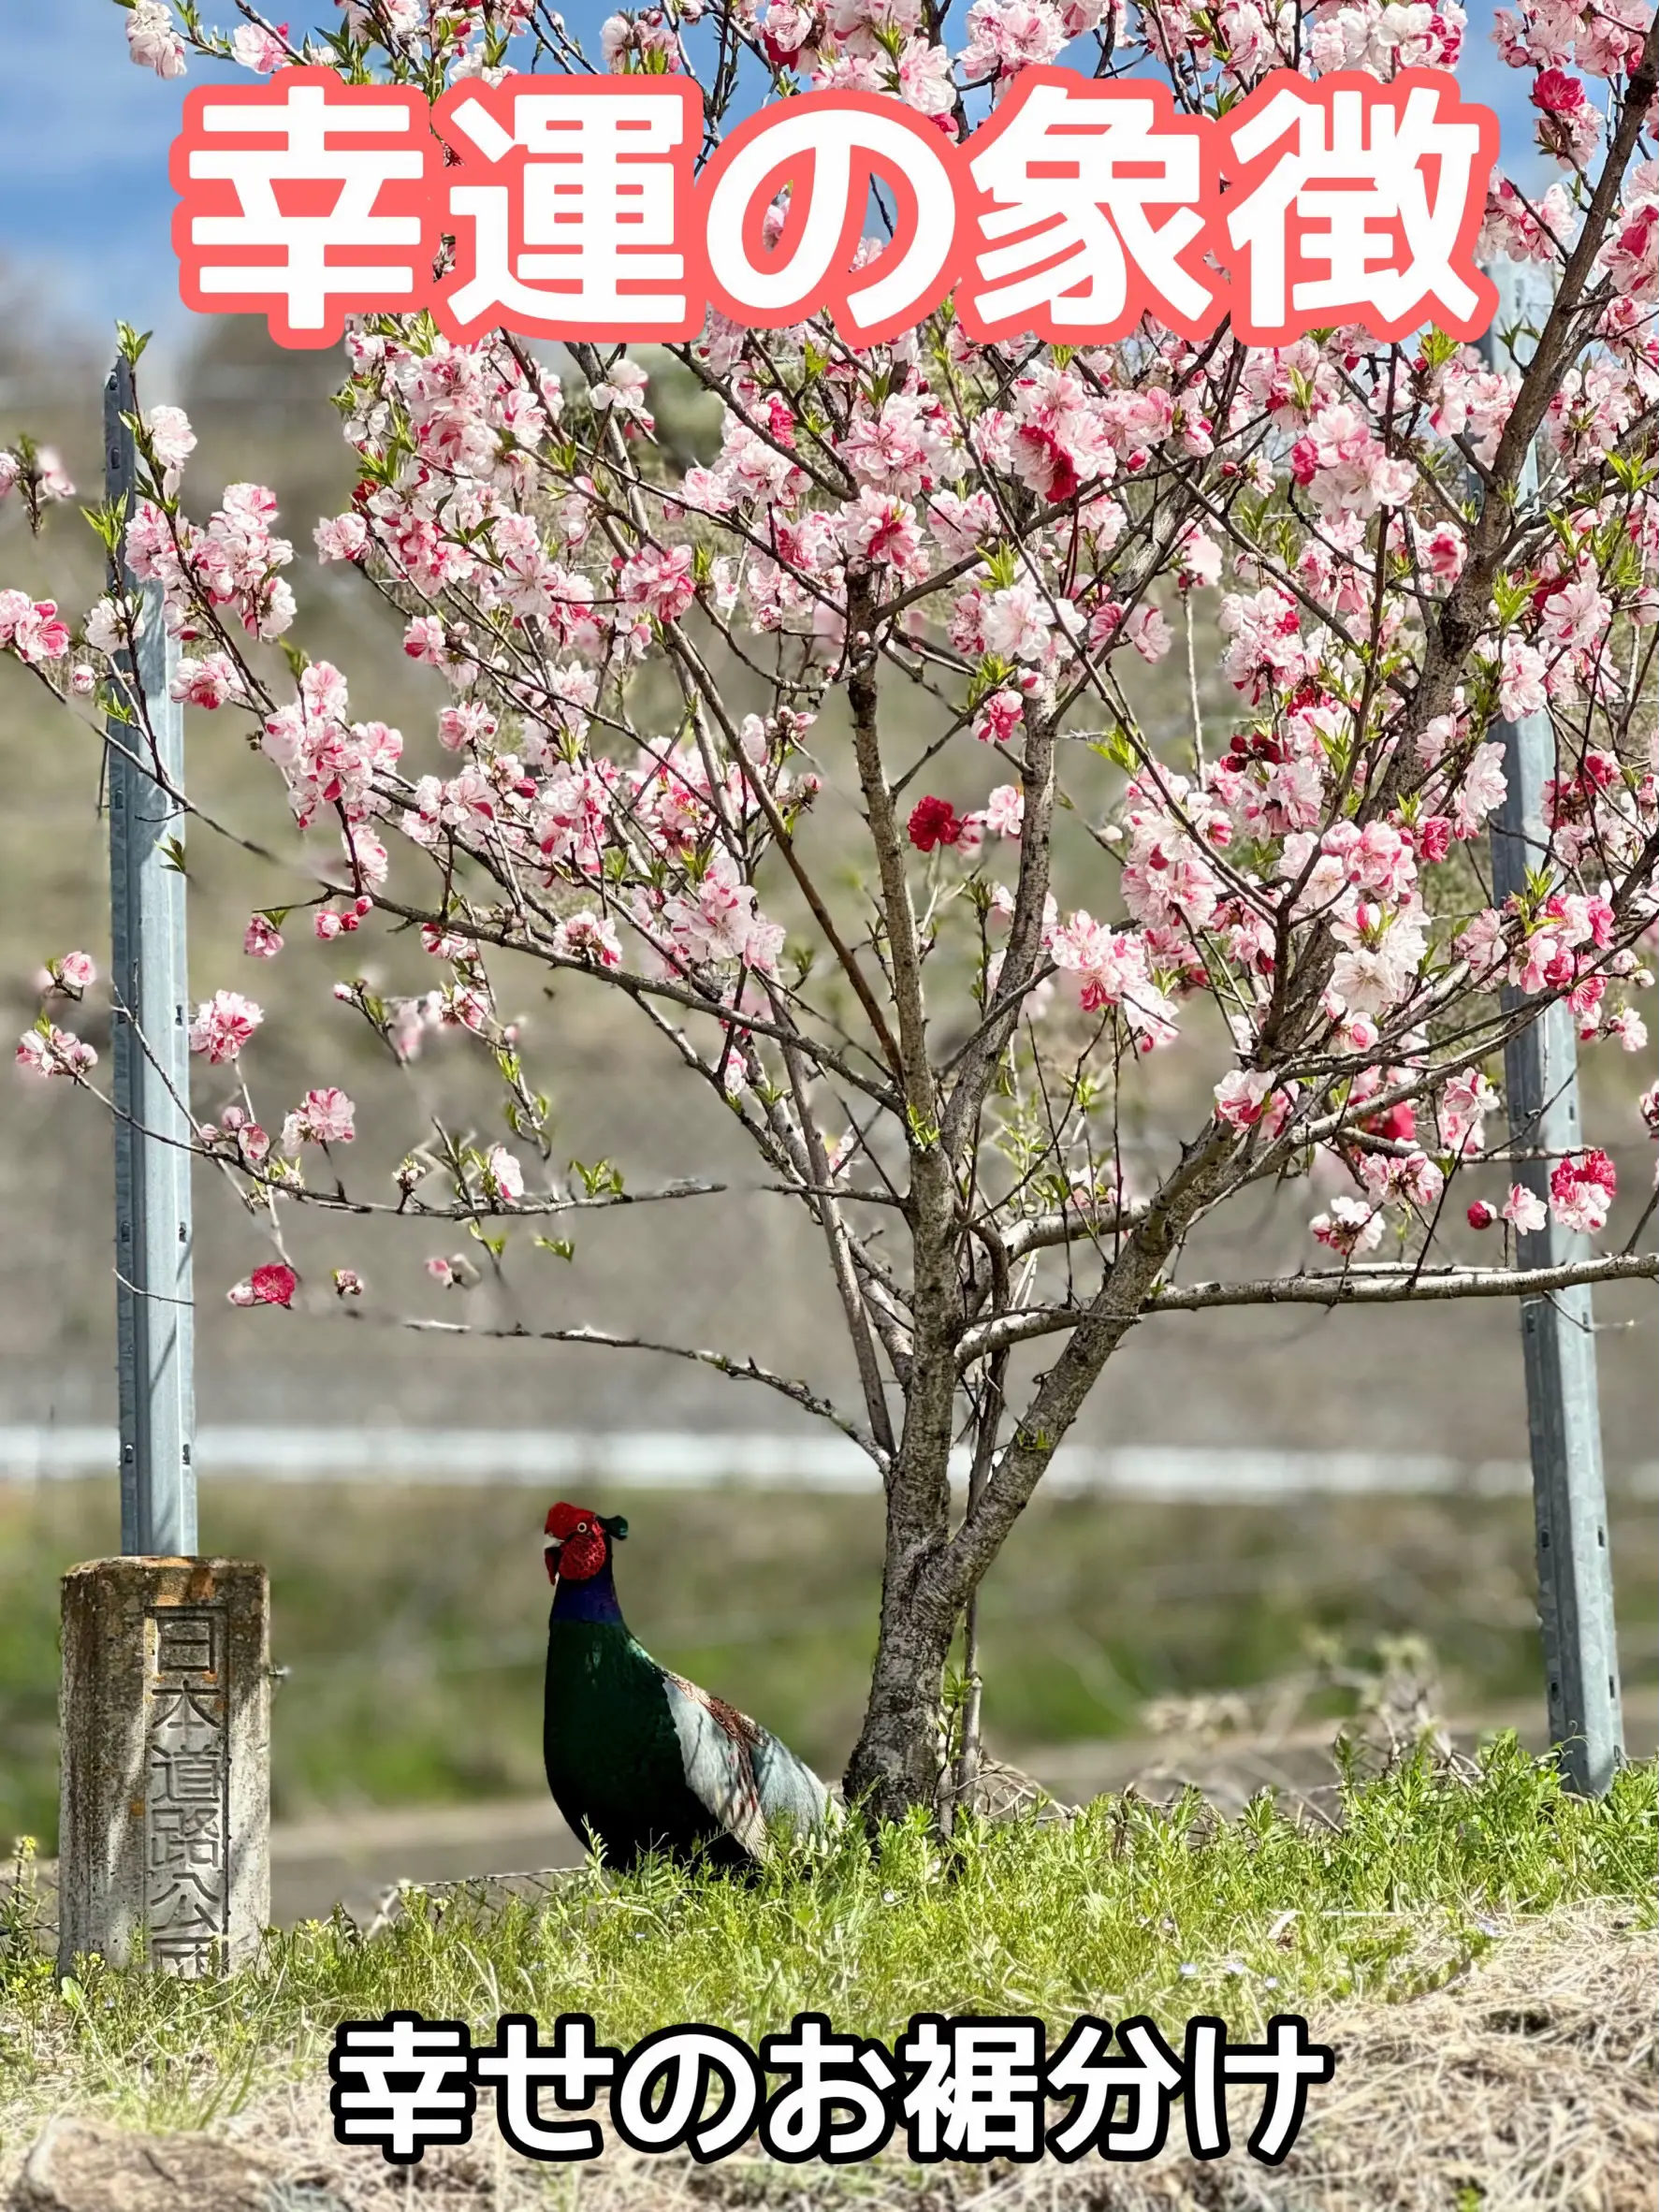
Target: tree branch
723,1363
1403,1284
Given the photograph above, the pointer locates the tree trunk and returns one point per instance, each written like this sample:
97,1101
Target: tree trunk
896,1763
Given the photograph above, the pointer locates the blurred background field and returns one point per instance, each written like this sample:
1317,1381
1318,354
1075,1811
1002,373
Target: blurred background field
411,1619
412,1622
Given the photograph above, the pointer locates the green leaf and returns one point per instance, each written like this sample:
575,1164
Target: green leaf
603,1180
1117,747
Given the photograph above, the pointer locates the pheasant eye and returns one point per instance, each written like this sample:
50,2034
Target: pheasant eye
581,1528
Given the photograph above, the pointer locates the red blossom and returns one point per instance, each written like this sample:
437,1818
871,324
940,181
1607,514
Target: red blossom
274,1284
1557,93
1590,1167
933,822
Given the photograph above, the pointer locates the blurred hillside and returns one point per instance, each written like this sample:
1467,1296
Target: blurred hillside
738,1270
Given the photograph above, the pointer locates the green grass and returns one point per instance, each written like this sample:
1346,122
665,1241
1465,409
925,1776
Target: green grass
1125,1910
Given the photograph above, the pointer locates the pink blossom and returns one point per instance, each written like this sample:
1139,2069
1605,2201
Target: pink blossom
718,919
1200,559
1484,946
31,627
1147,632
1242,1096
424,640
104,628
504,1175
1008,34
1521,685
368,859
1569,126
660,580
882,531
469,724
272,1285
223,1025
1524,1210
153,42
1350,1227
1112,972
1480,790
342,537
1016,623
1444,550
258,49
75,973
924,77
624,389
588,936
1383,950
1294,855
251,1141
51,1051
322,1117
1463,1106
1577,616
171,439
786,30
1581,1190
1265,637
1001,716
348,1283
1631,257
208,682
1005,810
1627,1029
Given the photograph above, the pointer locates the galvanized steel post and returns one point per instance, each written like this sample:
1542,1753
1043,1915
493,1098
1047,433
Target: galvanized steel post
1558,1330
150,1050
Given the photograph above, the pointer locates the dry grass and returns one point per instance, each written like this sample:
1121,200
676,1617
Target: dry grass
1525,2085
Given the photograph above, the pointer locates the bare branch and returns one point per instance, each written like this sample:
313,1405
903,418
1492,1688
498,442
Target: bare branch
739,1369
1391,1284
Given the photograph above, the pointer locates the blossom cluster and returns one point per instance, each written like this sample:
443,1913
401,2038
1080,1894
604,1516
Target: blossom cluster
1236,615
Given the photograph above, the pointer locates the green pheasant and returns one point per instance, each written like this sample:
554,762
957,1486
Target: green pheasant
639,1759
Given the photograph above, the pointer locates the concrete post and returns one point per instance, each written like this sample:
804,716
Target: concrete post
164,1841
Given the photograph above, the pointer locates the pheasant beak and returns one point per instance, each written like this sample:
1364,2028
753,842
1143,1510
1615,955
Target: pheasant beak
551,1548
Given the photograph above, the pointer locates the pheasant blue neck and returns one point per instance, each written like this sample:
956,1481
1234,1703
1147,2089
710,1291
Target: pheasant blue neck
593,1600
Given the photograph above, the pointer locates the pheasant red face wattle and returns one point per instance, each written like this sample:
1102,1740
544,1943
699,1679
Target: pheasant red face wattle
576,1544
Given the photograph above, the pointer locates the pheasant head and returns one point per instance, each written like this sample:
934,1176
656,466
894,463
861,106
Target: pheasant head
576,1542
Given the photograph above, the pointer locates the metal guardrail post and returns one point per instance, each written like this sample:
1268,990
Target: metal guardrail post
1558,1332
151,1051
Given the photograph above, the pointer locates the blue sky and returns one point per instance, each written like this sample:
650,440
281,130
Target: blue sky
84,201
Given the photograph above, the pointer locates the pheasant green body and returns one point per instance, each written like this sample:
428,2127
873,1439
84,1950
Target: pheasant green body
639,1759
